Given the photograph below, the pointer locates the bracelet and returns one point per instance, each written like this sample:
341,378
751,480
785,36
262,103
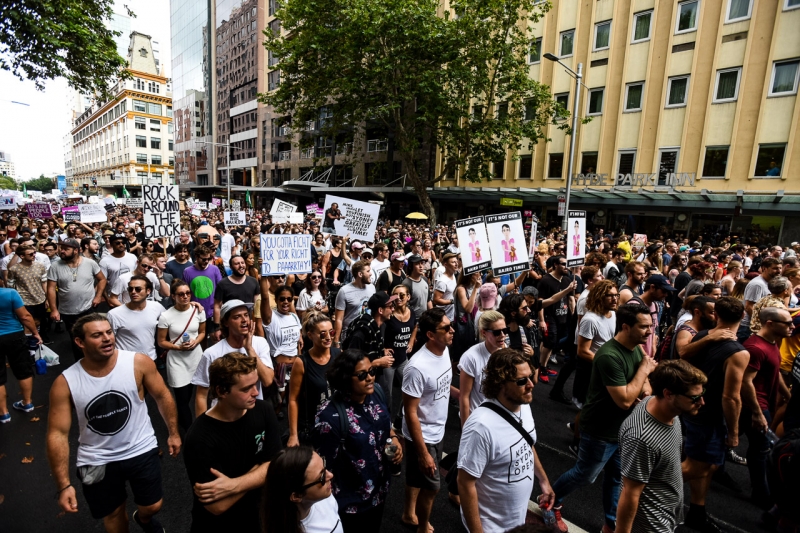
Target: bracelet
394,437
58,493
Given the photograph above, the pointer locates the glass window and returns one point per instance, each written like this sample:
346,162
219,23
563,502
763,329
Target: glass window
141,159
715,162
633,96
530,109
555,166
155,125
641,26
562,105
502,111
738,10
784,78
535,53
525,167
668,164
602,35
770,160
139,105
498,170
791,4
141,141
596,101
727,89
140,123
567,41
687,17
155,142
155,159
678,89
154,109
626,161
589,162
169,110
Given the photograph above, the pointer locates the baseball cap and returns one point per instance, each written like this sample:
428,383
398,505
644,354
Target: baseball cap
367,251
398,256
488,295
661,282
380,299
684,248
356,245
71,243
117,237
229,306
415,258
448,255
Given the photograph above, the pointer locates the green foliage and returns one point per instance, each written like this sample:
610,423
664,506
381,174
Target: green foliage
41,184
47,39
7,182
457,83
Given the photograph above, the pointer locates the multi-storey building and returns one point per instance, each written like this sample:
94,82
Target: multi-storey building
128,140
7,165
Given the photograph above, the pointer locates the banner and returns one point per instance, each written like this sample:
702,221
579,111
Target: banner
161,211
280,207
507,241
71,213
134,203
312,209
576,238
92,213
39,211
359,219
288,218
474,245
8,202
235,218
285,254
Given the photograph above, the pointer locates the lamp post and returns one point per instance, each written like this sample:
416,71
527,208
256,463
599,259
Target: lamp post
571,164
228,159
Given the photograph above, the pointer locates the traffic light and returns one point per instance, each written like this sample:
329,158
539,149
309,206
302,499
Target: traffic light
94,182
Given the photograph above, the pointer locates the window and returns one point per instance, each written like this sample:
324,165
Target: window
477,112
525,167
498,170
155,142
791,4
769,160
784,78
138,105
596,101
535,53
155,159
141,159
626,161
738,10
715,162
154,109
169,144
567,41
169,128
502,111
589,163
141,141
602,35
530,109
171,161
555,166
155,125
687,17
169,110
562,105
727,87
140,123
678,89
141,175
273,79
633,96
641,26
668,164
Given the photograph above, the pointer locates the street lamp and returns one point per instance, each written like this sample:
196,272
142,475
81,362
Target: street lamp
228,159
571,165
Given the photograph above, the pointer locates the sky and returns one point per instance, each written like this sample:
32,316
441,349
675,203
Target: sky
34,134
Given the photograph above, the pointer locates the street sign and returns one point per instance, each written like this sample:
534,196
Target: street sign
511,202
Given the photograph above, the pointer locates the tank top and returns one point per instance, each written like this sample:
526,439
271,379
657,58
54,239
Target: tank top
314,388
334,264
299,284
112,420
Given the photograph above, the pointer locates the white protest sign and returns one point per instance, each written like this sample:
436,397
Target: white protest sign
290,218
55,192
474,245
576,240
8,202
534,247
135,203
93,212
285,253
235,218
200,205
359,219
280,207
507,241
235,205
161,211
196,212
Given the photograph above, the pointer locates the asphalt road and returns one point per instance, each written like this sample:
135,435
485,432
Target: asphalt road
27,504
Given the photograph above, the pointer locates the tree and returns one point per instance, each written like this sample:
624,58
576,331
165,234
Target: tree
7,182
456,83
40,184
47,39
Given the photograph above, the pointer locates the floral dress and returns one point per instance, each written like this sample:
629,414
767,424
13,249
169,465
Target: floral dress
360,468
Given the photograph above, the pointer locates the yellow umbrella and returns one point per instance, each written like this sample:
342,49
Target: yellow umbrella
417,215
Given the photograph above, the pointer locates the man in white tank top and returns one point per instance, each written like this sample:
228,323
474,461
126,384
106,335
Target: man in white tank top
117,441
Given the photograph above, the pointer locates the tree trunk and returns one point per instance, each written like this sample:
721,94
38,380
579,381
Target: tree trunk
420,189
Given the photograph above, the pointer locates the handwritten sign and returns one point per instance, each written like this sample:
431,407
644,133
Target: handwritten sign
161,211
235,218
285,254
639,239
92,213
200,205
280,207
216,202
39,210
196,212
359,219
288,218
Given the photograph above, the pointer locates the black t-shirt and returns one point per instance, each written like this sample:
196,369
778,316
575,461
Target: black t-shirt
550,286
396,336
314,389
387,284
246,292
331,216
712,362
232,448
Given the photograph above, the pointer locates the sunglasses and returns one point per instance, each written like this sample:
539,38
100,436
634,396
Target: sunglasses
135,289
285,298
498,332
203,259
521,382
696,398
448,327
362,376
183,294
327,334
321,480
316,277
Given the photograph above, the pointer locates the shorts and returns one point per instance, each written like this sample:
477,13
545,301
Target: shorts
38,311
552,336
143,472
15,348
414,476
704,443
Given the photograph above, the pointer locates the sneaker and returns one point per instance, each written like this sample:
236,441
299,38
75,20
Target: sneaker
19,406
553,359
544,379
153,526
5,419
577,403
573,449
560,524
558,396
550,372
735,458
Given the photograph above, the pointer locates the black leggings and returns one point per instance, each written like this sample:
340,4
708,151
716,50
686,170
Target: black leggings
364,521
183,399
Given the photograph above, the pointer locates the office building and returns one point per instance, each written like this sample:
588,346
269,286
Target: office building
7,165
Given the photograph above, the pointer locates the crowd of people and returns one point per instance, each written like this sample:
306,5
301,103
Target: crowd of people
675,349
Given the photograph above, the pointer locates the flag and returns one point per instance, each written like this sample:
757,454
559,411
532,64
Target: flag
125,192
247,199
24,190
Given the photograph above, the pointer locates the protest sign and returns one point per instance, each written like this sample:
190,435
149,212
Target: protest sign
8,202
235,205
474,245
200,205
135,203
55,192
639,239
281,207
216,202
288,218
196,212
359,219
235,218
507,242
39,210
534,246
71,213
285,253
576,238
161,211
92,213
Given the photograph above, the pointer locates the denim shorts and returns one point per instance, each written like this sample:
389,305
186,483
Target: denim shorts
703,442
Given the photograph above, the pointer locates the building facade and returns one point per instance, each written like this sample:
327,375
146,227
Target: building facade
7,165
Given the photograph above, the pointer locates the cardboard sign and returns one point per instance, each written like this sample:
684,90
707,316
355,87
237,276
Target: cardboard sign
507,241
39,211
161,211
55,192
474,244
288,218
576,238
281,207
235,218
285,254
71,213
92,213
8,202
359,219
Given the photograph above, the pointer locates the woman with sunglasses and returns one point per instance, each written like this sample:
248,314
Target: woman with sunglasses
359,464
298,495
517,315
313,296
309,385
399,335
283,336
492,329
184,355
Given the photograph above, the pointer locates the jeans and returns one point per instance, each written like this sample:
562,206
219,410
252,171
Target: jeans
594,455
758,449
743,333
387,379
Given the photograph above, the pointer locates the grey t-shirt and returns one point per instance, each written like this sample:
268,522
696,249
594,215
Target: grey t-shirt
75,286
753,292
420,295
353,301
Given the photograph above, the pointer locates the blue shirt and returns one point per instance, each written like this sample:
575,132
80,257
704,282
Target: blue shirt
10,301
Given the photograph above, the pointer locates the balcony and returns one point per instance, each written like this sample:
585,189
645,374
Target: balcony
283,131
377,145
307,153
286,155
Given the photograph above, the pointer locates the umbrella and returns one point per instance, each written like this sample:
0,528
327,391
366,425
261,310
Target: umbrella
417,215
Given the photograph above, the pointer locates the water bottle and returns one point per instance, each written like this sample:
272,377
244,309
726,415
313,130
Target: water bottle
391,451
549,517
771,437
185,339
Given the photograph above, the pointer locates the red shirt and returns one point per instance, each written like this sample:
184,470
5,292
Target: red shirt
765,359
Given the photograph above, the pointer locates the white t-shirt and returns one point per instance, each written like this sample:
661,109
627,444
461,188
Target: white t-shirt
221,348
598,328
377,269
308,300
472,363
283,333
447,286
121,288
136,330
227,244
428,376
181,365
580,309
494,452
323,517
113,267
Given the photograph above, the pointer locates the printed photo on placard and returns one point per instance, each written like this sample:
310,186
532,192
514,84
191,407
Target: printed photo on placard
507,243
576,238
534,246
474,244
